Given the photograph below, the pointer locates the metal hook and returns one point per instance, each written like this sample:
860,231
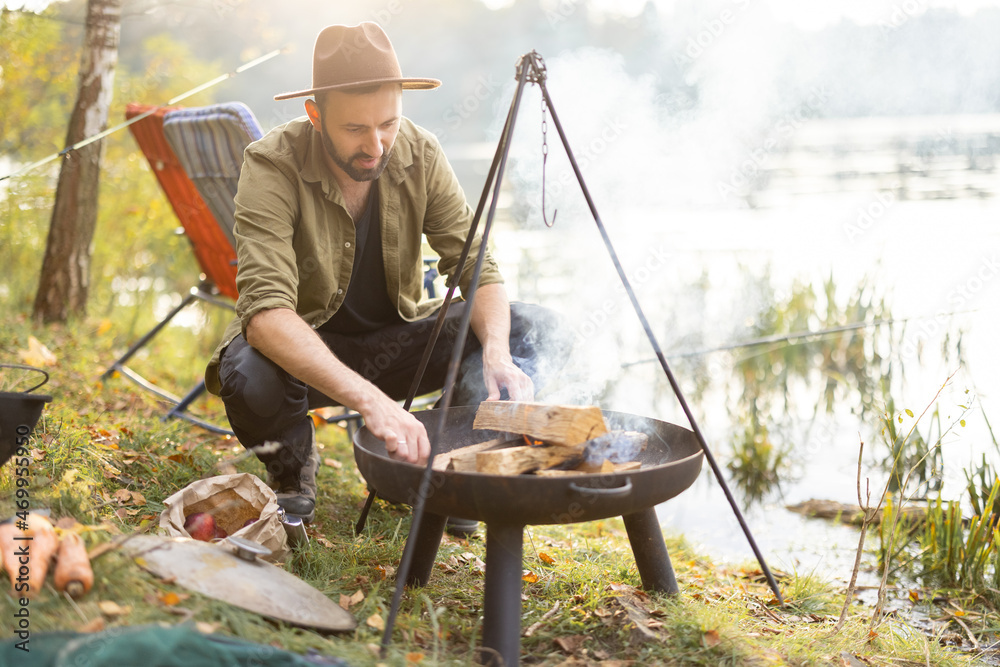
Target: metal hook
545,158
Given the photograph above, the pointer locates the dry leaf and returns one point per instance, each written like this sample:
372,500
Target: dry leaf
96,625
333,463
206,628
66,523
529,577
570,644
170,599
36,354
545,558
414,658
375,621
345,602
36,454
356,598
109,608
710,638
325,542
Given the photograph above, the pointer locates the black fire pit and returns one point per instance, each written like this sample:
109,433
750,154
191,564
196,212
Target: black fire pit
670,464
19,412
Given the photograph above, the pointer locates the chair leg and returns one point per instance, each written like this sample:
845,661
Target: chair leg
149,336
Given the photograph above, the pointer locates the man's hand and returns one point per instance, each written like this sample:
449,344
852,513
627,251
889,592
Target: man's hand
500,372
404,436
288,341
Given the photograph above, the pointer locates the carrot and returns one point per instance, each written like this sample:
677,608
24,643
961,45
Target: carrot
73,573
27,560
43,549
7,548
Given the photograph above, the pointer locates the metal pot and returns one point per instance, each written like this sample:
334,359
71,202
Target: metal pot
19,412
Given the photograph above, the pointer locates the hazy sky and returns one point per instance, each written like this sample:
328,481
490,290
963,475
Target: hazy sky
810,14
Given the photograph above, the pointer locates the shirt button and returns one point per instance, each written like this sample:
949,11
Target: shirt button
347,245
340,291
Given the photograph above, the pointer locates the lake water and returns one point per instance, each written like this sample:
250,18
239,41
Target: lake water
697,275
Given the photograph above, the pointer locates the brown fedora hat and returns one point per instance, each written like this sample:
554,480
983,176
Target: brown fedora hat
355,56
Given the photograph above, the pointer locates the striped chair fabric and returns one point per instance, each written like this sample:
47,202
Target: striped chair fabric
209,143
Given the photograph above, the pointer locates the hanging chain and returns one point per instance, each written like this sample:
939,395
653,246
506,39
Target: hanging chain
545,158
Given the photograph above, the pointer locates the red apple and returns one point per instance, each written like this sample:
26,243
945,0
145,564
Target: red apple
248,522
200,526
220,532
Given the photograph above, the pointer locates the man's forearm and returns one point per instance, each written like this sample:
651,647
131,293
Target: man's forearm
491,319
284,338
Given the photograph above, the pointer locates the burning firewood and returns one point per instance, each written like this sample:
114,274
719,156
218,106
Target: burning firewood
463,459
562,437
564,425
606,467
527,458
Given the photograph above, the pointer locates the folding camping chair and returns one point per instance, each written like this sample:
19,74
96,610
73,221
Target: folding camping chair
196,155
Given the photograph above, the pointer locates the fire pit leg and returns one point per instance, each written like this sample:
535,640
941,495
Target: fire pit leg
650,552
428,539
502,595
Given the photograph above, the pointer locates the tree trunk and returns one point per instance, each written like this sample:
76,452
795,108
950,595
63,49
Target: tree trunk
65,278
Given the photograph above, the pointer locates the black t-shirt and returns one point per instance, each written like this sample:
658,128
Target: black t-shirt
367,306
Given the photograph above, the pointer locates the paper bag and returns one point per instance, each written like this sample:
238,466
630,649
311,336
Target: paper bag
232,500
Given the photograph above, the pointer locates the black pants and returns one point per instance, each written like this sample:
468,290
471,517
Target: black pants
266,404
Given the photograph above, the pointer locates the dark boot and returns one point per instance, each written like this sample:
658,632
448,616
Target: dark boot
297,492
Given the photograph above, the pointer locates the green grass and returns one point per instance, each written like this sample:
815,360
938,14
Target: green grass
94,440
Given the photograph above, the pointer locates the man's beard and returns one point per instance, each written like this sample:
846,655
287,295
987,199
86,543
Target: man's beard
348,166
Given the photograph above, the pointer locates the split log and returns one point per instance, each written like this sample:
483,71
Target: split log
616,447
463,459
565,425
608,466
585,469
518,460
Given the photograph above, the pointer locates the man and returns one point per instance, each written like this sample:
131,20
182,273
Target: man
330,215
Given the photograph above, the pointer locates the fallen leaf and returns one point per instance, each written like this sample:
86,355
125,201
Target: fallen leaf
333,463
414,658
96,625
325,542
36,454
545,558
914,595
356,598
36,354
66,523
375,621
529,577
570,644
104,327
170,599
206,628
109,608
710,638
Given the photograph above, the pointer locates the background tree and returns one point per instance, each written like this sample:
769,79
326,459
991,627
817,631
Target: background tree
65,277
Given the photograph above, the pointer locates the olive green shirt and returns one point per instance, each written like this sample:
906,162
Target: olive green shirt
295,241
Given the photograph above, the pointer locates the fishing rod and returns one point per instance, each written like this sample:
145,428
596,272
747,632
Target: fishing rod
796,336
135,119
